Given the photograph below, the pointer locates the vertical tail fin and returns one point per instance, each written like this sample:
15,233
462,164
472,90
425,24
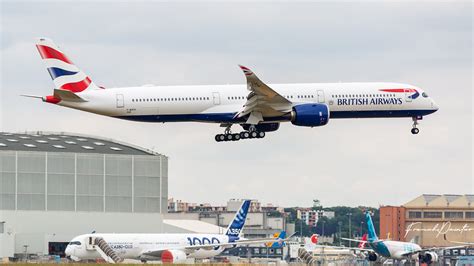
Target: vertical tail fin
370,227
278,236
65,75
362,244
235,227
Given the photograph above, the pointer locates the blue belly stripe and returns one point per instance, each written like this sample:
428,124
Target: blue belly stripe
229,117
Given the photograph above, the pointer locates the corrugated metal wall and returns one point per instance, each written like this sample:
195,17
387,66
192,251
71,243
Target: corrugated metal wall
83,182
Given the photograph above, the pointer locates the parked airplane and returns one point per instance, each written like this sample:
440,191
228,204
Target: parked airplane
170,248
398,250
257,107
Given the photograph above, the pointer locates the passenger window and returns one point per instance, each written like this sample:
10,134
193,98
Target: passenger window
424,94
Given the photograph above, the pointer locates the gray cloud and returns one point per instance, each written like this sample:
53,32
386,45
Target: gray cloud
349,162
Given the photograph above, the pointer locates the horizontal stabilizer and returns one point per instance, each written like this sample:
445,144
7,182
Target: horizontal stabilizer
70,96
32,96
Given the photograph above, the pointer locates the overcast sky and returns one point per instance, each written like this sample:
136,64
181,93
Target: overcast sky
348,162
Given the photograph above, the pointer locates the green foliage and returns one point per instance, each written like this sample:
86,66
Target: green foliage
331,225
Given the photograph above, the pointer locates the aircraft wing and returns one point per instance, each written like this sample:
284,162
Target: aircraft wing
189,249
458,242
262,101
354,240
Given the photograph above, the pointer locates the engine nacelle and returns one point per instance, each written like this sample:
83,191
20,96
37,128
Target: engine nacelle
266,127
372,256
173,256
310,115
428,257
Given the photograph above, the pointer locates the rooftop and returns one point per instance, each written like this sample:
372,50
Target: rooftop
442,201
66,142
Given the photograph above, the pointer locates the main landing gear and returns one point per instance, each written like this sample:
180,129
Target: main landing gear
415,130
252,133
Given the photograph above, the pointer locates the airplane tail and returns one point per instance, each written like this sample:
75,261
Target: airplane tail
370,226
362,244
277,244
235,227
65,75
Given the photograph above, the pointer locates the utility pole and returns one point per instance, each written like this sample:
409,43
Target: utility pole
350,232
26,253
339,224
323,228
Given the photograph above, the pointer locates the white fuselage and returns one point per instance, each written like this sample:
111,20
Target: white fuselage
220,103
394,249
132,246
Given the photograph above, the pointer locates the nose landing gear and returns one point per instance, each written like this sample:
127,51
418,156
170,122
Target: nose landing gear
414,129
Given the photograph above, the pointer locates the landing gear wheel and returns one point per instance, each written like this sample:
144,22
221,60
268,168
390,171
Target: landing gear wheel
244,135
236,136
228,137
253,134
220,137
261,135
415,130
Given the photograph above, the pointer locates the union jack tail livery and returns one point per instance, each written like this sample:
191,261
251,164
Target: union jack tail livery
65,75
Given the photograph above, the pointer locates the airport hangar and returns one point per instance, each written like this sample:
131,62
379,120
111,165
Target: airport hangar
54,186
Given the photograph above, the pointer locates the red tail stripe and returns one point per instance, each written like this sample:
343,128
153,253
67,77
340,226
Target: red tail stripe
48,52
77,86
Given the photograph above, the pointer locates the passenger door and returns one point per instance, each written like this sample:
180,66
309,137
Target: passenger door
120,101
407,95
321,98
216,98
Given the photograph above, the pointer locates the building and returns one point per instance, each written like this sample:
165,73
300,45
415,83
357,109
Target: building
258,224
392,223
311,217
427,218
56,186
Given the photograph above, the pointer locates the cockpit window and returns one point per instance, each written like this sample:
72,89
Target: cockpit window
75,243
424,94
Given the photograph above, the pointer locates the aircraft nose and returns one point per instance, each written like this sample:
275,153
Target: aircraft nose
68,251
434,106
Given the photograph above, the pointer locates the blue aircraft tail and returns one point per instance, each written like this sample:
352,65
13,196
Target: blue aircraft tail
277,244
235,227
370,227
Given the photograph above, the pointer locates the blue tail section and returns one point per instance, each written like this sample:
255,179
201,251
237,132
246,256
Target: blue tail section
370,227
235,227
281,235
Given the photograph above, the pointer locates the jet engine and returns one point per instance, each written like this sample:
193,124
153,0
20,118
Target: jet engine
372,256
310,115
173,256
428,257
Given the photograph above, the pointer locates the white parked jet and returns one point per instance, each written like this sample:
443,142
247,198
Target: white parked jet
170,248
257,107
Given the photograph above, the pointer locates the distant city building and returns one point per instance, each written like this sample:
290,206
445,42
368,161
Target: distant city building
428,217
311,217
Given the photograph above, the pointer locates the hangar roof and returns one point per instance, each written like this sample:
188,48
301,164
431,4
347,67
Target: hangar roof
66,142
442,201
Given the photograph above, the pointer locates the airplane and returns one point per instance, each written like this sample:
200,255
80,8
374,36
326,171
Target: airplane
398,250
257,107
169,248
